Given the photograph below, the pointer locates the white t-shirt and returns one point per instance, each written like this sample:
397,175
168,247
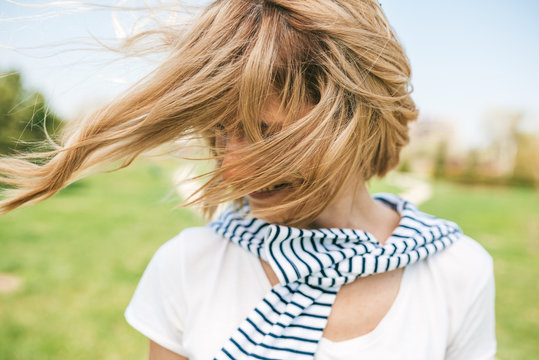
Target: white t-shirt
199,287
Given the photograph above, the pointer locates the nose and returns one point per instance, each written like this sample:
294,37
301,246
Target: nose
233,144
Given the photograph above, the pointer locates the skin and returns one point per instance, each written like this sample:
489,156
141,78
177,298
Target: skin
361,305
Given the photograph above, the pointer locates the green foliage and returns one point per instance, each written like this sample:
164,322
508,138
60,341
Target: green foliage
440,160
23,115
404,165
526,169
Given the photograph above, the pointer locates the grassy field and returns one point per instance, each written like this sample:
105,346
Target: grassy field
81,254
506,222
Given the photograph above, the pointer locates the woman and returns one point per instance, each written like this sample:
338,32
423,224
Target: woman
300,103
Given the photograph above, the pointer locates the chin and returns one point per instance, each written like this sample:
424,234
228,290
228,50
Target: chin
257,210
259,204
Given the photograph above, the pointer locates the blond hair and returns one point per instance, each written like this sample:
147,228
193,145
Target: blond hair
340,60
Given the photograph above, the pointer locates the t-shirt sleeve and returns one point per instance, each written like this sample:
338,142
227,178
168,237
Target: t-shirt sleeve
475,338
155,309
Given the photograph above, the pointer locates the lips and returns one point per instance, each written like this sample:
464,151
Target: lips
269,191
273,187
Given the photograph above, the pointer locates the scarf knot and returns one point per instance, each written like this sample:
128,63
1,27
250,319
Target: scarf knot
312,265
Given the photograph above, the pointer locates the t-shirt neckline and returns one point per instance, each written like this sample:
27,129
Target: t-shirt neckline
359,341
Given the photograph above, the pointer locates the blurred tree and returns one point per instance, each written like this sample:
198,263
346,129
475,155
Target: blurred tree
440,159
501,127
23,115
526,169
404,165
472,162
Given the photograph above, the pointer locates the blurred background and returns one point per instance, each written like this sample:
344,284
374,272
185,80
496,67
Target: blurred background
69,266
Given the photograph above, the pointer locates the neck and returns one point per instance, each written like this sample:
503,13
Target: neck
356,209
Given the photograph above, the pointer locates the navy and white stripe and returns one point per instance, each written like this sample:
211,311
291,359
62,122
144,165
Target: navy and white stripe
311,266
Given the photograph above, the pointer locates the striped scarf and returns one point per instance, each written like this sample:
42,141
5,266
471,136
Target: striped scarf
311,266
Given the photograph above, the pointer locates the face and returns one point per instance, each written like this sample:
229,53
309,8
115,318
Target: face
276,192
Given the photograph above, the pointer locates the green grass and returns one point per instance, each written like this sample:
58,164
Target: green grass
506,222
81,253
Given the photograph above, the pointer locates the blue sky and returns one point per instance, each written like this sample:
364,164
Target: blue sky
468,57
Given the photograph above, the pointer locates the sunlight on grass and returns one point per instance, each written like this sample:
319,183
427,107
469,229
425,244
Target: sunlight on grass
505,221
80,255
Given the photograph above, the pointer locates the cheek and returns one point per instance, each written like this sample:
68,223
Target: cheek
228,148
232,173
